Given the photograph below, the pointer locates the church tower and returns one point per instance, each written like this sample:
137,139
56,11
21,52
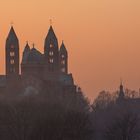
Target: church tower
12,54
63,59
51,51
25,53
121,95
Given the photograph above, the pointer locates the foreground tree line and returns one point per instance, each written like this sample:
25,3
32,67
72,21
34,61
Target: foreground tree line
69,116
114,119
53,116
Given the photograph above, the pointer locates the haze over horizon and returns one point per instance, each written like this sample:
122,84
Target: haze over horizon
102,37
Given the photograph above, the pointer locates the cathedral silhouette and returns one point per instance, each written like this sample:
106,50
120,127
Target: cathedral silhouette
47,70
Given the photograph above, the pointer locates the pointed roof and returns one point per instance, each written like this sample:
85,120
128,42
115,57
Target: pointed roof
121,85
12,35
26,53
27,47
63,48
51,33
35,56
121,92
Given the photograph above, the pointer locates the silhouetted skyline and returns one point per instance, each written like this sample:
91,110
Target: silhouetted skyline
102,37
39,71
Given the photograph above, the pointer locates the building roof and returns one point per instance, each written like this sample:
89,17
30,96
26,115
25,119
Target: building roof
51,33
66,79
12,35
25,53
51,38
63,48
34,56
27,47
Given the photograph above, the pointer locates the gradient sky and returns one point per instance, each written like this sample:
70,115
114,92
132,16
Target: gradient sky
102,37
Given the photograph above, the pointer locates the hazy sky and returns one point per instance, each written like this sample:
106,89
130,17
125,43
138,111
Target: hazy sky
102,37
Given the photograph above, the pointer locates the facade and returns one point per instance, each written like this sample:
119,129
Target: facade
38,70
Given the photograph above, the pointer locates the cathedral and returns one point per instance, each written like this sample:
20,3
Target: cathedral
47,70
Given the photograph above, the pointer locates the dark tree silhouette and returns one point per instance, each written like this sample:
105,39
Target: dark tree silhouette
126,127
103,100
52,116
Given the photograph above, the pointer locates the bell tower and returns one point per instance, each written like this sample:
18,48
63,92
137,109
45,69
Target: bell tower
51,51
63,59
121,92
121,95
12,54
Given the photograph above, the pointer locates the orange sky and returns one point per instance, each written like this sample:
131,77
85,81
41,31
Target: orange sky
102,37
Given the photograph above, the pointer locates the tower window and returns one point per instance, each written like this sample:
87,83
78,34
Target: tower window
12,54
12,46
51,53
63,62
51,60
63,70
12,70
63,56
12,61
51,46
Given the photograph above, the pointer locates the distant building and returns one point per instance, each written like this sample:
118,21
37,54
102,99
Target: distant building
123,97
38,70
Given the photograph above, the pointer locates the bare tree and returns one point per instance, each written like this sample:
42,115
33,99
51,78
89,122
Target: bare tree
125,127
103,100
131,93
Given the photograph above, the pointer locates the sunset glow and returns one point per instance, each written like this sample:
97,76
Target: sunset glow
102,37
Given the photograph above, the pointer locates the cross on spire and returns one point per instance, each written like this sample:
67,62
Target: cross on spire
50,22
12,23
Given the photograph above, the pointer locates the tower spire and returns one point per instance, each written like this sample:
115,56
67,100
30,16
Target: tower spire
121,81
12,37
12,53
121,91
63,58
